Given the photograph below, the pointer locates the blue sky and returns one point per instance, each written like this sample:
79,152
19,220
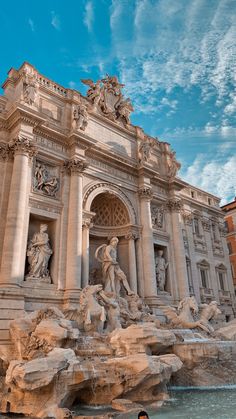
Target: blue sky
177,59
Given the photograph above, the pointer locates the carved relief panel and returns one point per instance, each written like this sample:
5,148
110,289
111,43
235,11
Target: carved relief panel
157,214
46,179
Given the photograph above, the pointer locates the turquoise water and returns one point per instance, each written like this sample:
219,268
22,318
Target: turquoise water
195,404
187,404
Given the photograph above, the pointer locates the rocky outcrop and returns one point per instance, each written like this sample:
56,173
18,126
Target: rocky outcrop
38,333
48,377
205,363
227,332
141,338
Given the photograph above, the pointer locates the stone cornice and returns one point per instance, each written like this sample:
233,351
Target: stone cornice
198,205
21,114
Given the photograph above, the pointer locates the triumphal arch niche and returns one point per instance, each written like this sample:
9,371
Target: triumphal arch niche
75,173
114,216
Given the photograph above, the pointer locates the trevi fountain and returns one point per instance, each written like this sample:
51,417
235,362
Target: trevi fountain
115,285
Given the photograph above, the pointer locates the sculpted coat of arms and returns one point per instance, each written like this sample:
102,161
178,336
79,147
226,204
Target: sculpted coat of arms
106,95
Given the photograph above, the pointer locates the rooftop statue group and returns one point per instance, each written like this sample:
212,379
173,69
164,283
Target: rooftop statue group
106,95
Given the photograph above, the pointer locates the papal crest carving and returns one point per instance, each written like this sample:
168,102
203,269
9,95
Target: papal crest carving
107,96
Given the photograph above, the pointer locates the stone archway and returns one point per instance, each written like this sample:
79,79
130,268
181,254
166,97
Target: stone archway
113,216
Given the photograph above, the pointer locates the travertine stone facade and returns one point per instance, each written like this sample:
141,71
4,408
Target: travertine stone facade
230,229
77,165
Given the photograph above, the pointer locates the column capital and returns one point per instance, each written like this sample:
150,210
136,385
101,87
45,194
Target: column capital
131,236
87,223
145,192
22,145
174,205
75,166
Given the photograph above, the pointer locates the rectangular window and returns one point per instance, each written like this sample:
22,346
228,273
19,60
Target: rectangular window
203,273
196,226
221,281
226,226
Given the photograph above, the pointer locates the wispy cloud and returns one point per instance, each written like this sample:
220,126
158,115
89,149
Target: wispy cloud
176,44
217,176
31,23
55,21
89,15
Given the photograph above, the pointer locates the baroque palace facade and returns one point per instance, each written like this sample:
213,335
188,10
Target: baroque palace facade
75,173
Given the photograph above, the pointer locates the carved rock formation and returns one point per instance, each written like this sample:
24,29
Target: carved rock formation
54,365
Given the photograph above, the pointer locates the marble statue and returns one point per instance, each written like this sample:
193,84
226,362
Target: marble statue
39,252
94,91
161,266
113,275
172,165
209,312
29,88
187,308
112,310
124,110
80,116
90,315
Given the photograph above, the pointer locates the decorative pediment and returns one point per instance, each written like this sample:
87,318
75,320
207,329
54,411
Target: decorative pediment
221,267
203,262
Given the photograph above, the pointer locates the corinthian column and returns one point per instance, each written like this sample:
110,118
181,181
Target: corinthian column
174,205
13,255
150,288
87,224
132,262
75,168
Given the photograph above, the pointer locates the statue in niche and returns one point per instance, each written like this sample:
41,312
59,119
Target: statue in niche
80,116
39,252
44,181
161,266
113,275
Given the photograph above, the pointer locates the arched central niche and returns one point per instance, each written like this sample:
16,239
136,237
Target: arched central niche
110,211
112,219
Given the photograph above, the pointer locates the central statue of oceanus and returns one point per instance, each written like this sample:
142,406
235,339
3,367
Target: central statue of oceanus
113,275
